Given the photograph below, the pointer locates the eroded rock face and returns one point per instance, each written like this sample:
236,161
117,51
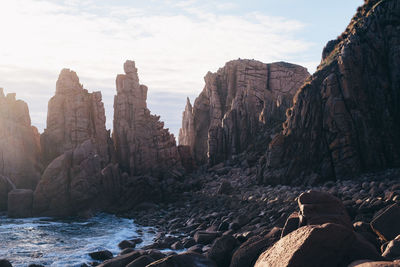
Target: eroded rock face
236,103
74,116
346,118
71,183
143,145
20,158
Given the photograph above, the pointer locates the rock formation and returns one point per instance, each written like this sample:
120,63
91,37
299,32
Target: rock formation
74,116
19,145
143,145
346,118
236,103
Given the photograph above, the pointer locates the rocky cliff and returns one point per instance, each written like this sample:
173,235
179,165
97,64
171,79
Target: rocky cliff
346,118
143,145
20,158
237,102
74,116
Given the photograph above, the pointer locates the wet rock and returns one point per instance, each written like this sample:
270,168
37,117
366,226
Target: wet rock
322,245
126,244
221,250
20,203
387,224
20,158
122,260
184,260
141,261
101,255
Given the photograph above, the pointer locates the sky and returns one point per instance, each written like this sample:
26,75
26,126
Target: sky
174,44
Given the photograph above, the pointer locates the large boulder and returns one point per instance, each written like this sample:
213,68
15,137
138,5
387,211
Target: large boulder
71,183
235,104
247,254
318,207
222,249
346,119
318,245
143,146
184,260
20,158
20,203
74,116
387,224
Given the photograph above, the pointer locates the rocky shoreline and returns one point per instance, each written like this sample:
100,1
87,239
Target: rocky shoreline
232,224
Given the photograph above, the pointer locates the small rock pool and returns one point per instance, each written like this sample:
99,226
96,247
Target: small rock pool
65,242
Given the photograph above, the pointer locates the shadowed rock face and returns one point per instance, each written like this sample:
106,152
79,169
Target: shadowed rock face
346,118
20,158
74,116
237,102
143,145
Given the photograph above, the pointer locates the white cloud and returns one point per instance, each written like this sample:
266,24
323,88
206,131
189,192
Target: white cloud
172,51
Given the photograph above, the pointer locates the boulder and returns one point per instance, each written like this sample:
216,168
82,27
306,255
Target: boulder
222,249
236,103
71,183
6,185
318,245
367,263
5,263
184,260
74,116
320,207
387,224
205,237
392,250
141,261
247,254
101,255
20,203
122,260
20,155
292,223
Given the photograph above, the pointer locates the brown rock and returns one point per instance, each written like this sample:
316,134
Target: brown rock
367,263
6,185
184,260
205,237
122,260
292,223
74,116
141,261
319,207
143,145
345,119
247,254
19,148
20,203
222,249
235,104
322,245
71,183
387,224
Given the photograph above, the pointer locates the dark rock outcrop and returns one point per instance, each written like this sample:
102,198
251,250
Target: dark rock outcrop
143,145
346,118
6,185
20,203
236,103
74,116
20,158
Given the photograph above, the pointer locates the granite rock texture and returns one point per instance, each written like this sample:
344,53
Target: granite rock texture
345,119
237,102
20,157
